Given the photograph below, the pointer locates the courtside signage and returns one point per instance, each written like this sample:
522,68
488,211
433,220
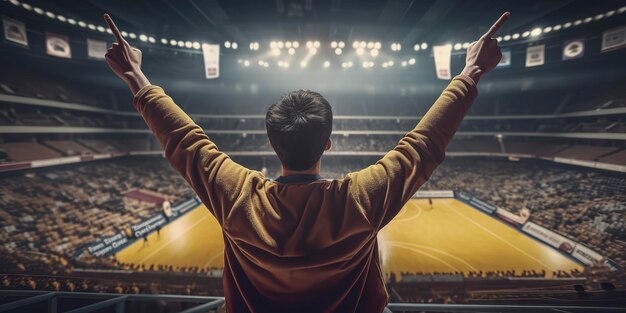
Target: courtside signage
551,238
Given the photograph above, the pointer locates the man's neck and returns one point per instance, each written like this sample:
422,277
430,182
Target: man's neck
315,170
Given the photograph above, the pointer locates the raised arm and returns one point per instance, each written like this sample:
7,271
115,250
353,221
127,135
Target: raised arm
214,177
381,190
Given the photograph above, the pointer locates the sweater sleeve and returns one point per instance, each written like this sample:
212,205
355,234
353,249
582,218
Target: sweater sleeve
215,178
381,190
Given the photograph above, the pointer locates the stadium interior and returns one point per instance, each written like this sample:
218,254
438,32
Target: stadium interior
527,209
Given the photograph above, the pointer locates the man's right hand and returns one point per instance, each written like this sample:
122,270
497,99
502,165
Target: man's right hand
484,54
125,60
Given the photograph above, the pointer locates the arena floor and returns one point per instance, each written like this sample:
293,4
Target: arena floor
450,236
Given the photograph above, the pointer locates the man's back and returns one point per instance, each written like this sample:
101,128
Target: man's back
298,243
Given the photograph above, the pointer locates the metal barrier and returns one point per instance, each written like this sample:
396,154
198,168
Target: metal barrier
212,303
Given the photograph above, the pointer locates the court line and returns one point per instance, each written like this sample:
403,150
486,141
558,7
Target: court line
173,239
499,238
213,258
434,249
426,254
419,212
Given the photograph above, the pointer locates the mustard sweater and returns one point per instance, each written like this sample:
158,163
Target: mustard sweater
304,247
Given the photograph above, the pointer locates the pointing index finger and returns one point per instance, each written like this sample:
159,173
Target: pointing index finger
496,26
114,29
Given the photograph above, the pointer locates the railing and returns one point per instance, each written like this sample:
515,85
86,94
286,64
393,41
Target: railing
207,304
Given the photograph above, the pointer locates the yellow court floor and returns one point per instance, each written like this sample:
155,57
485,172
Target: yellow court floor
449,236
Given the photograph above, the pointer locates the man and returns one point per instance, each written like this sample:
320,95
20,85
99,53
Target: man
300,243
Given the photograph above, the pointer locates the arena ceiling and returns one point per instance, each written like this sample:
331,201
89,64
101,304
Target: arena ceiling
406,21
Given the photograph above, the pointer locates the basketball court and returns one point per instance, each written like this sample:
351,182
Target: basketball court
449,236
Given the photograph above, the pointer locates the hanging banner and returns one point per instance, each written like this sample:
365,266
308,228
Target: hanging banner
614,39
58,45
506,58
211,55
96,49
14,31
442,56
574,49
535,55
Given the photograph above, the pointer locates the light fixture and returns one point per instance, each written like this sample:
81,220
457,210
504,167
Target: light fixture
303,64
196,45
61,18
246,63
101,29
50,14
276,52
403,64
515,36
338,51
506,37
370,45
535,32
313,51
557,27
326,64
416,47
91,26
71,21
38,11
291,51
316,44
424,46
295,44
411,61
288,44
587,20
143,37
374,52
164,41
227,44
173,42
458,46
355,44
378,45
181,43
360,51
547,29
341,44
333,44
526,34
188,44
234,45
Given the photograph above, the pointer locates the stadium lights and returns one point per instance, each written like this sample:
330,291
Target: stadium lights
622,9
515,36
288,44
424,46
276,52
411,61
526,34
309,44
370,45
295,44
355,44
91,26
61,18
416,47
598,17
246,63
466,44
291,51
312,51
341,44
458,46
27,6
101,29
303,64
38,11
227,44
164,41
196,45
338,51
131,35
71,21
577,22
50,14
234,45
396,46
181,43
280,45
557,27
390,63
333,44
143,37
547,29
535,32
316,44
273,44
587,20
377,45
124,34
403,64
498,39
360,51
506,37
326,64
374,52
363,44
188,44
173,42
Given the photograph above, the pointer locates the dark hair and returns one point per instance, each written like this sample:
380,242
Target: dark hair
299,126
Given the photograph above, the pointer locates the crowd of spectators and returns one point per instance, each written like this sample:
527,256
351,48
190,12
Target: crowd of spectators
58,210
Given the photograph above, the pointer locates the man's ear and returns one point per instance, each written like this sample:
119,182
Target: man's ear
329,144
